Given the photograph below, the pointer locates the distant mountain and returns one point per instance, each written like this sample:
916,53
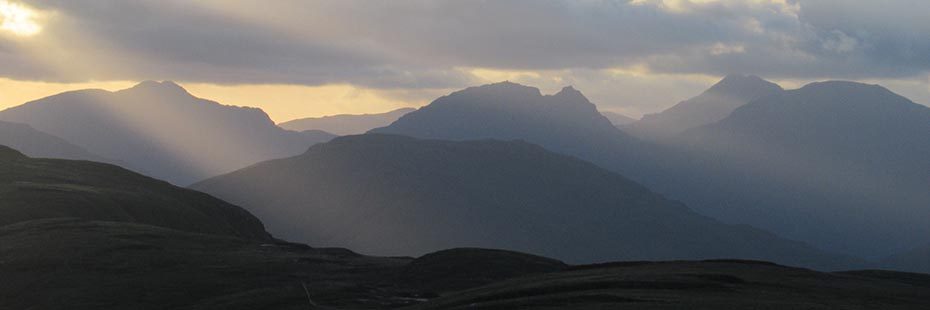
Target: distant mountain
619,120
32,189
841,164
346,124
39,144
159,129
913,260
565,122
709,107
393,195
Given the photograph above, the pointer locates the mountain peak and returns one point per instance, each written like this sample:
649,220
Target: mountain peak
738,83
9,153
569,91
505,87
163,87
842,85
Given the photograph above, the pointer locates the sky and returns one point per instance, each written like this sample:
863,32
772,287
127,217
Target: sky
302,58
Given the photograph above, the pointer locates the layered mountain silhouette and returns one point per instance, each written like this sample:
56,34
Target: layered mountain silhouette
565,122
159,129
842,164
709,107
394,195
33,189
35,143
346,124
837,164
619,120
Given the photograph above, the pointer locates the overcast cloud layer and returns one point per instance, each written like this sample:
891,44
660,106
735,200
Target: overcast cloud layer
434,44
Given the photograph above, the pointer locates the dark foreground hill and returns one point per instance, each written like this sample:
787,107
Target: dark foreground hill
161,130
394,195
33,189
724,284
346,124
76,264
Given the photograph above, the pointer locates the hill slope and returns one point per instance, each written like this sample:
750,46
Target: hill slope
162,131
78,264
714,104
346,124
393,195
39,144
33,189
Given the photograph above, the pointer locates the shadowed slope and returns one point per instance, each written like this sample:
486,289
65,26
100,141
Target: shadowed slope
50,188
842,164
393,195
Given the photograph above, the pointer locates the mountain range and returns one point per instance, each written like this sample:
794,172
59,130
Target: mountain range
711,106
346,124
840,164
796,188
394,195
161,130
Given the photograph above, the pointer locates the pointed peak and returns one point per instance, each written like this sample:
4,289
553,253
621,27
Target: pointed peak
569,91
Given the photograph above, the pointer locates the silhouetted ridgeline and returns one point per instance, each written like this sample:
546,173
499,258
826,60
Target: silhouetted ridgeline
158,129
823,164
346,124
32,189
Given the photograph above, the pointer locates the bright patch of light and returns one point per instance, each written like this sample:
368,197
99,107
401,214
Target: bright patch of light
18,19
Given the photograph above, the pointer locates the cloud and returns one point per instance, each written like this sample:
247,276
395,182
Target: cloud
419,44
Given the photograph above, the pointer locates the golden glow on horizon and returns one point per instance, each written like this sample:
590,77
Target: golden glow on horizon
18,19
281,102
14,93
288,102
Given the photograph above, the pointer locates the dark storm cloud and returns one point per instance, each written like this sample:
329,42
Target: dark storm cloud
420,44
